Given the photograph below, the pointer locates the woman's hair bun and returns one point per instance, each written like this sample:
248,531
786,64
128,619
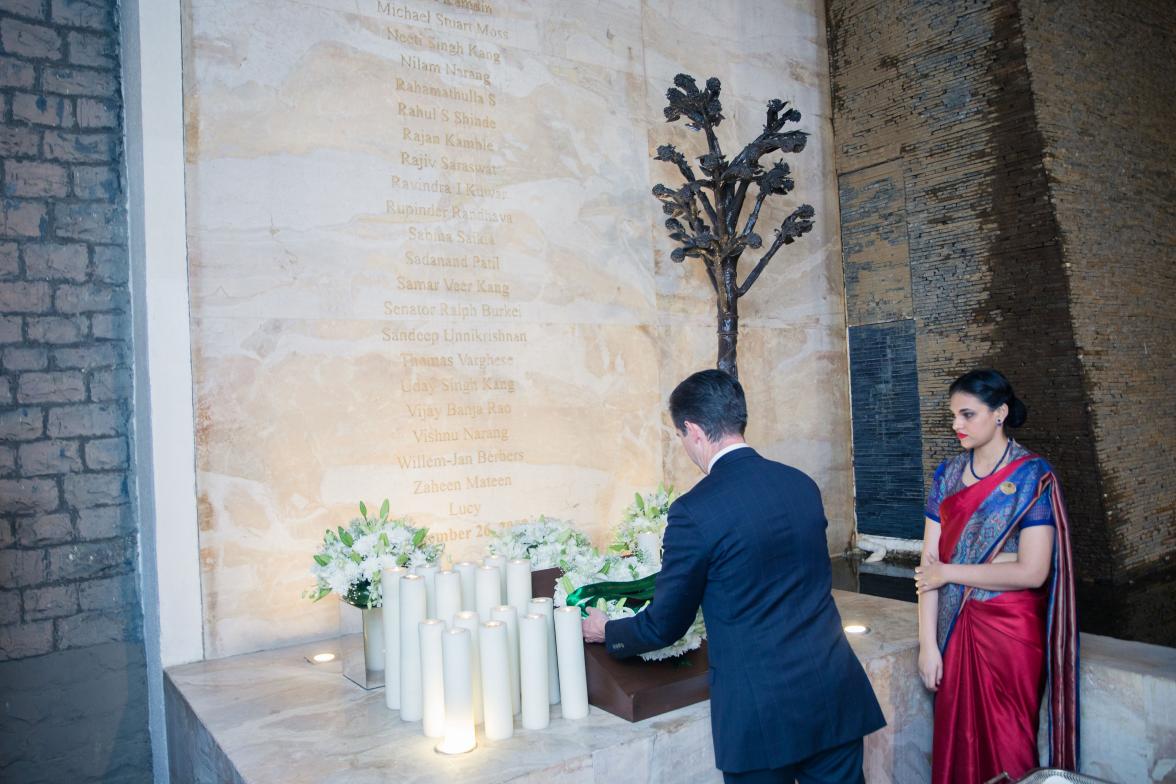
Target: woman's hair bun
1017,412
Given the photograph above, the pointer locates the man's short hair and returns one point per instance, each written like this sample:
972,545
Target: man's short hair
713,400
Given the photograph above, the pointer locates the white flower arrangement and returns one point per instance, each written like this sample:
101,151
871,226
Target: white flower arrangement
647,514
350,559
546,542
689,642
591,567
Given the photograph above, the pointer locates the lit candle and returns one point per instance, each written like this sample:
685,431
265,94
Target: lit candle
533,671
499,563
412,612
468,570
544,606
459,696
569,643
493,647
489,591
448,585
432,678
468,619
429,572
650,544
518,585
507,614
390,585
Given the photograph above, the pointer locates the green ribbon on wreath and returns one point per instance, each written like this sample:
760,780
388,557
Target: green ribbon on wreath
632,591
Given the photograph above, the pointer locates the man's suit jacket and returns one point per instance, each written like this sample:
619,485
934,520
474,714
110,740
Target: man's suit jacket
748,544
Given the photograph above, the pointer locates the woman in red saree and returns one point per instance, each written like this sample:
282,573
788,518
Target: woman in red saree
996,597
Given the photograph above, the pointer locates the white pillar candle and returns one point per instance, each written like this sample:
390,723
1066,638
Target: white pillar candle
429,572
569,644
533,671
412,612
448,585
489,591
469,620
518,585
432,679
468,570
493,648
459,695
499,563
650,544
507,614
544,606
390,585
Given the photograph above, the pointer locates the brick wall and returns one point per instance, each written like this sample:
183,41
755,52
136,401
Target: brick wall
936,98
1103,77
71,651
1038,233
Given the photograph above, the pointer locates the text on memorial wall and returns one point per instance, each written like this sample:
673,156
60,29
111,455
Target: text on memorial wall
458,386
470,410
459,188
454,311
455,459
443,21
454,286
418,63
425,40
422,161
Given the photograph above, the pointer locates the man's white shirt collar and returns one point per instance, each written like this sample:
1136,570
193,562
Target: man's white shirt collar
724,451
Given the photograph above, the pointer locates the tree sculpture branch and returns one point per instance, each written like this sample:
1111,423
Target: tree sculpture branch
704,214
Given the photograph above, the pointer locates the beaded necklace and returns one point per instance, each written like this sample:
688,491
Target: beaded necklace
972,461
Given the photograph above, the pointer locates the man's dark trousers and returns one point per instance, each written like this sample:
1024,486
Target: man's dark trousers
838,765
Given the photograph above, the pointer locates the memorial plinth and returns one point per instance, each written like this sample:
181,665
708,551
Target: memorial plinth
274,717
636,690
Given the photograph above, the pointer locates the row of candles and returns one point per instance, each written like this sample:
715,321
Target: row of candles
470,645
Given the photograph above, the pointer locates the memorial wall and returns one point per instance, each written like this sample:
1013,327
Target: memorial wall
425,265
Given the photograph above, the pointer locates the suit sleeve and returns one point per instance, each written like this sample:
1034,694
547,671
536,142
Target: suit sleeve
677,593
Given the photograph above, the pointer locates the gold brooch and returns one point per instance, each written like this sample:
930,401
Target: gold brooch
1008,488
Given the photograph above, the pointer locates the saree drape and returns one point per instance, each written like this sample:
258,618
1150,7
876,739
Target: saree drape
1000,649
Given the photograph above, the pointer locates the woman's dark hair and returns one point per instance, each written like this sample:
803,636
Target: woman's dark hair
994,390
711,399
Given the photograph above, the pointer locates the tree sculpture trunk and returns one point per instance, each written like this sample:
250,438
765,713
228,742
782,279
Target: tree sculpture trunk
728,326
705,212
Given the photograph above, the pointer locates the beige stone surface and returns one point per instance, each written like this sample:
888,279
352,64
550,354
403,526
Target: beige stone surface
424,257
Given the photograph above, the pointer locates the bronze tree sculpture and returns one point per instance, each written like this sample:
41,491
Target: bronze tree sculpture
704,214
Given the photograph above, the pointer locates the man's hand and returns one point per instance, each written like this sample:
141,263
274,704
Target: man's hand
594,625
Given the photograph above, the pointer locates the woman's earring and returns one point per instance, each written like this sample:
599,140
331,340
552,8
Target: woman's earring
999,422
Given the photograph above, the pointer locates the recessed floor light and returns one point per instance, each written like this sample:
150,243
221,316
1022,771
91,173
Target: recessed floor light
856,628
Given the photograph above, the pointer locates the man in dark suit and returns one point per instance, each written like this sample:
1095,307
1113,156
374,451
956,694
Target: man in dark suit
789,699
